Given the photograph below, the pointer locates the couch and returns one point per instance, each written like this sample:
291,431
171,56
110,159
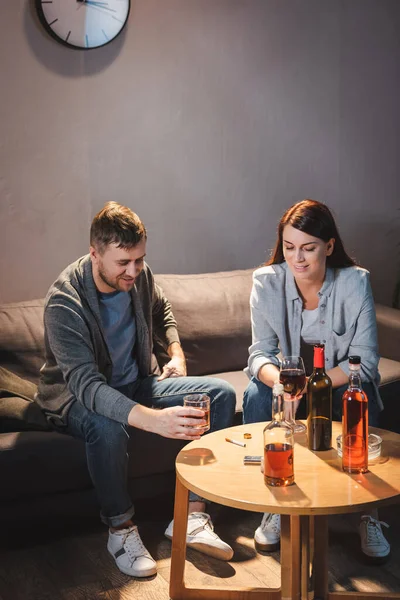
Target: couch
44,473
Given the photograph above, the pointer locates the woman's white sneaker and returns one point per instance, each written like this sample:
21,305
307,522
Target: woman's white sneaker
374,545
202,537
130,554
267,537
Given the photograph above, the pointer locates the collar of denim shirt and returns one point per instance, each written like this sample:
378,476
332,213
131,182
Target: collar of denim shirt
292,293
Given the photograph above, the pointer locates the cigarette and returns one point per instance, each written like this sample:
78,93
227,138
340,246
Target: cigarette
235,442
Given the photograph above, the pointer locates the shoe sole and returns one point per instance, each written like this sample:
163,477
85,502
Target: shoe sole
266,547
375,560
208,550
131,573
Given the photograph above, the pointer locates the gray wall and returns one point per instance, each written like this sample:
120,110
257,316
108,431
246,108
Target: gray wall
208,118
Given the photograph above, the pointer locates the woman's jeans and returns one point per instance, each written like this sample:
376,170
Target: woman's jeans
257,403
107,440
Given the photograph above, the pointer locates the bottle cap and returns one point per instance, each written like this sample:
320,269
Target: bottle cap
277,389
319,356
354,360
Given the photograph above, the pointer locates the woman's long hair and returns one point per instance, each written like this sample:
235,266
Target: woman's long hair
316,219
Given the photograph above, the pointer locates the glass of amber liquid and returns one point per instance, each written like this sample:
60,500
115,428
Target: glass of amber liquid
278,444
201,401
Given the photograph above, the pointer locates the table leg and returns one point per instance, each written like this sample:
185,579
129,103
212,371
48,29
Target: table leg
305,556
320,558
290,558
178,554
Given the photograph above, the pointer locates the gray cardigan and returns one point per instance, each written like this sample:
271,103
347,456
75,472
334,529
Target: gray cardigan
78,365
347,320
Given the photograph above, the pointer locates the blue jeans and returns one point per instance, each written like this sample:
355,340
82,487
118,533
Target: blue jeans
107,440
257,403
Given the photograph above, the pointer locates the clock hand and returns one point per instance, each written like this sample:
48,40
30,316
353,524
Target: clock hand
97,4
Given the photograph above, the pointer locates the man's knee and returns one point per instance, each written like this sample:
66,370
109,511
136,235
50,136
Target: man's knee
225,391
105,429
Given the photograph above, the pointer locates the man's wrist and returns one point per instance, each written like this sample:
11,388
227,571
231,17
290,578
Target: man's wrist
142,417
175,351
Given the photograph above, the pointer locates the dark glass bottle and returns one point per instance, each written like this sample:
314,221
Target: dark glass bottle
319,400
278,444
355,422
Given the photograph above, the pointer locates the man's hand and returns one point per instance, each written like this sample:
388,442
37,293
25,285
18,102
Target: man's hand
176,367
173,422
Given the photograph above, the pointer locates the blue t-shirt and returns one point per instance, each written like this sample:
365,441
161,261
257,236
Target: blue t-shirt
120,332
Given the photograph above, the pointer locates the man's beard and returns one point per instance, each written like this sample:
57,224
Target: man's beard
103,277
112,284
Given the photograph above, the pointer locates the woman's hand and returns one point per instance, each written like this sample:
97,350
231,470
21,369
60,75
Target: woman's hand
294,401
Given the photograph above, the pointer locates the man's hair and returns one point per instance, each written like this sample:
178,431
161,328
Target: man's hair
116,224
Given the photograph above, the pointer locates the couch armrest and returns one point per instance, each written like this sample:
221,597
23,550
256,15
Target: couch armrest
388,321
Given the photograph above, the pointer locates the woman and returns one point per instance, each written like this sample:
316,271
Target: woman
312,291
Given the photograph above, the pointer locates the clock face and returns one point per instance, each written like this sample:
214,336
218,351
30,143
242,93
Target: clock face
83,23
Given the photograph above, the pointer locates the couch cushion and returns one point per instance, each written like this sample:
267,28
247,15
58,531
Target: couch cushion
388,321
22,338
18,411
17,414
240,381
213,315
12,385
389,371
34,463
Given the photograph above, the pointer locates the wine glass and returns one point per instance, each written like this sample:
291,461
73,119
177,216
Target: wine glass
293,378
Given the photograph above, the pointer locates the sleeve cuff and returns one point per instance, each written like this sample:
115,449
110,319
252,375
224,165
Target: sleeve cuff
171,336
259,362
112,404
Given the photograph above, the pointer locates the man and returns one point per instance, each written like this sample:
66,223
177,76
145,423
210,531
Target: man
101,317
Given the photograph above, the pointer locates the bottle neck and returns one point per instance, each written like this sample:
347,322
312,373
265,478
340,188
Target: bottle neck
319,359
277,407
355,377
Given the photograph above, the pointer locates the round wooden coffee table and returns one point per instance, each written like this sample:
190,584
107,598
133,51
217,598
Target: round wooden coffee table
214,469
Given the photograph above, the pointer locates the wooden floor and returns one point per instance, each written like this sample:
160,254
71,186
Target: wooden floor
71,563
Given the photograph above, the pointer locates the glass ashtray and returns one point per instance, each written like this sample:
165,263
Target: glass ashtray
374,445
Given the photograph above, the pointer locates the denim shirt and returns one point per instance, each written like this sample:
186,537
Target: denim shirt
347,320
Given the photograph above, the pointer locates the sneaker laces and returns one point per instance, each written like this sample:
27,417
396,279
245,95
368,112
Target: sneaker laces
272,521
374,529
132,543
205,523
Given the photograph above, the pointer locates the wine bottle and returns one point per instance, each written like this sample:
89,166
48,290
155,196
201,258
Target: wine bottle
278,444
319,400
355,422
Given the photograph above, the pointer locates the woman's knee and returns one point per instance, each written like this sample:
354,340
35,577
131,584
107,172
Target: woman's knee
257,402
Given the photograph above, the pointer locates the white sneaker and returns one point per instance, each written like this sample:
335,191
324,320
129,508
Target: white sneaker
130,554
267,537
200,536
374,545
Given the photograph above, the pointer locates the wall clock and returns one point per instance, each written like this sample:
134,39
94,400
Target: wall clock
83,24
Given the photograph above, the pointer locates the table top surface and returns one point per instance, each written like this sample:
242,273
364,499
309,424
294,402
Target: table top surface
214,469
